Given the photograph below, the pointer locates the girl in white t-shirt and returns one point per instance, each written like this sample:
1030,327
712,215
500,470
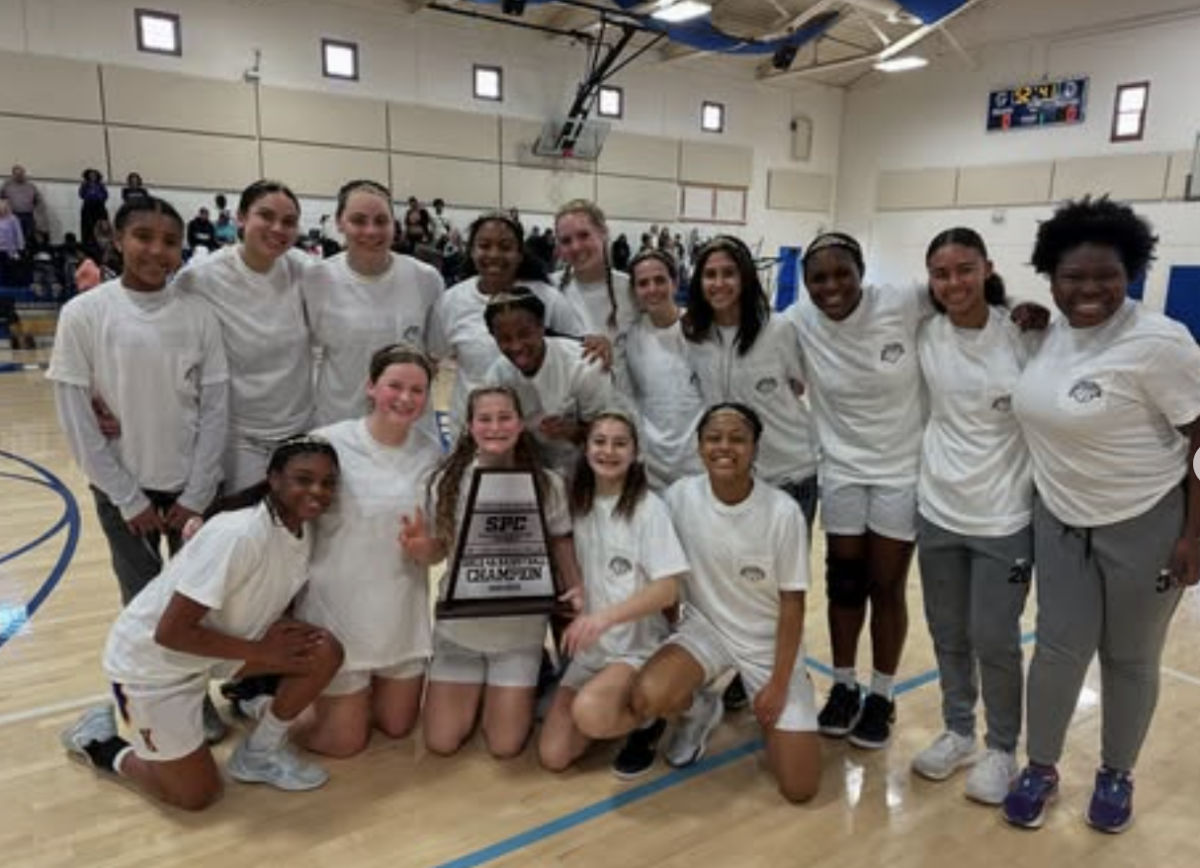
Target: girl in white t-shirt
975,499
598,293
560,390
362,587
153,358
740,352
495,243
747,545
632,565
254,289
486,663
656,376
1110,407
859,345
363,299
218,610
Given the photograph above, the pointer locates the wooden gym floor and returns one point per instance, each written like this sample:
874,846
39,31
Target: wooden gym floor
397,806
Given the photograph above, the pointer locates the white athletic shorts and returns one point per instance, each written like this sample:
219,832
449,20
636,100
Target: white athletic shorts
349,681
459,665
586,666
166,723
851,509
697,636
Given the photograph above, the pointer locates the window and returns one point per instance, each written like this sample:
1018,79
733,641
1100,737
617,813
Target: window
712,117
489,83
339,59
612,102
158,32
1129,112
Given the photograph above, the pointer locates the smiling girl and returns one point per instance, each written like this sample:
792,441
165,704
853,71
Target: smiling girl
495,243
632,566
154,357
217,610
255,291
364,299
363,587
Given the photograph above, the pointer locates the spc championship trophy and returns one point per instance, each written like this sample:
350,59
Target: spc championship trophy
502,564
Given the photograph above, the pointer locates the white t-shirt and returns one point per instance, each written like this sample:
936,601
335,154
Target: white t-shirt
864,382
565,385
976,478
362,587
148,358
518,632
243,566
762,379
1100,408
619,557
741,557
591,304
266,335
660,382
459,330
352,315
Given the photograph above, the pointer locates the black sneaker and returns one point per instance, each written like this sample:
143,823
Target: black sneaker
735,698
637,756
874,727
841,711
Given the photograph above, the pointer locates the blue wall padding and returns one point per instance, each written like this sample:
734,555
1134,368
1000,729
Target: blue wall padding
1183,297
787,280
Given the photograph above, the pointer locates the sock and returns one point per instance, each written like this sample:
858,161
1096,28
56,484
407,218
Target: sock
845,675
270,733
883,685
119,761
104,754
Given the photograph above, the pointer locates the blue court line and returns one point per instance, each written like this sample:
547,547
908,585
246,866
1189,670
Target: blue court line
644,791
55,528
16,619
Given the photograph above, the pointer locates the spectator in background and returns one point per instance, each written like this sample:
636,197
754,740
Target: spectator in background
201,232
12,245
94,196
621,254
26,201
135,190
225,230
442,227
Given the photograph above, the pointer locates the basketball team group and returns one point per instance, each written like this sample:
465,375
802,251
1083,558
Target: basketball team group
258,433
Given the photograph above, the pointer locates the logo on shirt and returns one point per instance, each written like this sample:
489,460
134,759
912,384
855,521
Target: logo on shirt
619,566
766,385
1003,404
891,353
412,334
694,380
753,574
1085,391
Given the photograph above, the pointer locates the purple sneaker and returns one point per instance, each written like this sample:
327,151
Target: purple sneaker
1035,788
1111,809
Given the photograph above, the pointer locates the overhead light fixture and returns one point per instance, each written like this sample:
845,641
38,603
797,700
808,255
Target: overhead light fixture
513,7
784,55
901,64
681,10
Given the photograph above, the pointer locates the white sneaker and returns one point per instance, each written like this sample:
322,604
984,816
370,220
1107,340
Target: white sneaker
690,739
95,725
215,728
948,753
990,779
280,768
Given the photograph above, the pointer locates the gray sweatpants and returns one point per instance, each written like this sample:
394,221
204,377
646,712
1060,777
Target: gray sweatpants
1098,590
975,590
136,560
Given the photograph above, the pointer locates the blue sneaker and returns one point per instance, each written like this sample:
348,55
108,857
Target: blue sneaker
1111,808
1035,788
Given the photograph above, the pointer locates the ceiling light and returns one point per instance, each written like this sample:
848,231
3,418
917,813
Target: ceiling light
681,10
901,64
